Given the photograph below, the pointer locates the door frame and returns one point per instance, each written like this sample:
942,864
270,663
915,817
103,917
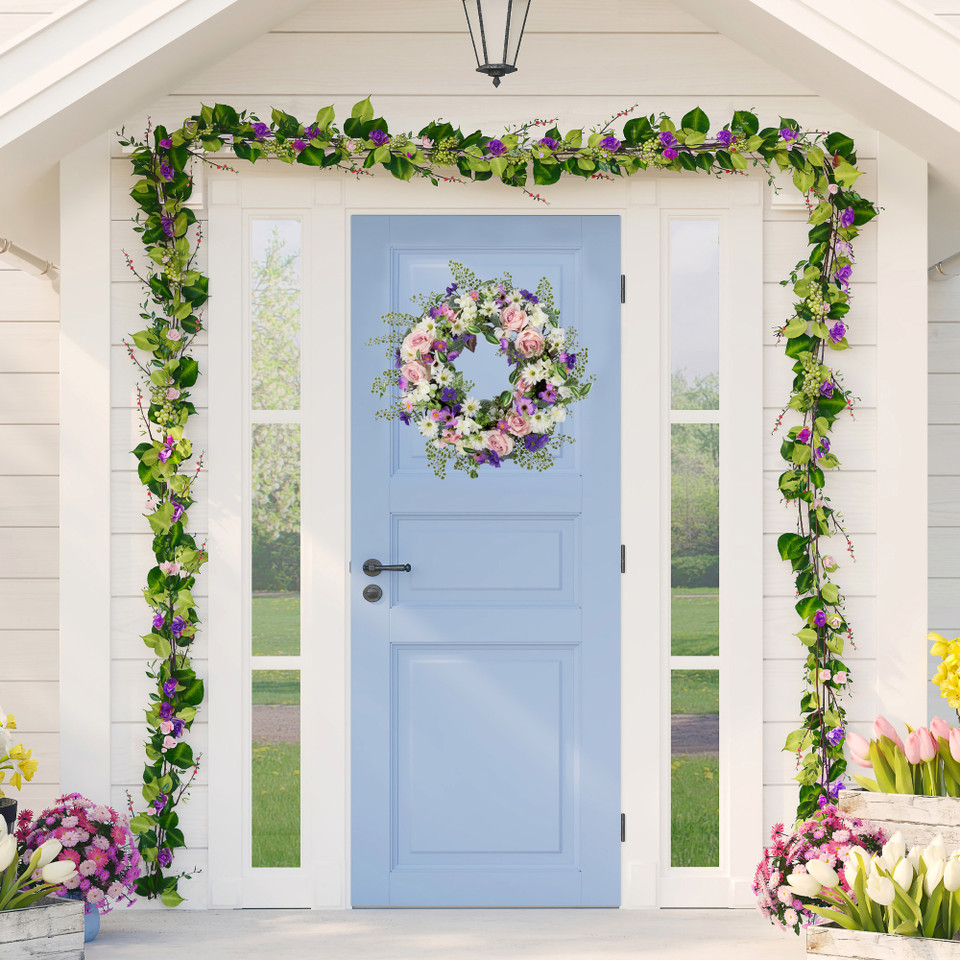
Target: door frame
329,205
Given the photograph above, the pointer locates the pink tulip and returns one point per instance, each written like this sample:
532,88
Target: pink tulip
940,728
912,747
882,727
859,750
928,745
955,744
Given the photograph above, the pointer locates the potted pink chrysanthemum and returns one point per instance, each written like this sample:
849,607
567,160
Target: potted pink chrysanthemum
98,841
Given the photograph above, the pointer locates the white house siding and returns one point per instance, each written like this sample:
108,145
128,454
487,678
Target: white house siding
19,16
946,10
414,59
29,566
944,460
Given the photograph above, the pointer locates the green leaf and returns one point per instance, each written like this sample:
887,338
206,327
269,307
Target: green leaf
697,120
545,173
325,116
830,592
798,740
795,327
170,898
745,121
791,546
141,824
362,111
840,143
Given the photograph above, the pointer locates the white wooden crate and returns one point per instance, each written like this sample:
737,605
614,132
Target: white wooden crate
52,929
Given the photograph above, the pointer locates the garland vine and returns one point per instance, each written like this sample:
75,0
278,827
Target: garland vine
824,171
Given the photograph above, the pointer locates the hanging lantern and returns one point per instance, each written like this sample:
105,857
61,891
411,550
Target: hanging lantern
496,29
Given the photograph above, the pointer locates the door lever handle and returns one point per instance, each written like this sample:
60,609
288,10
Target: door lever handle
373,568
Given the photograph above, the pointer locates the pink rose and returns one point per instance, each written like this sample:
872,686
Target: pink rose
416,341
530,343
498,442
413,372
512,318
174,334
173,393
168,742
519,426
166,726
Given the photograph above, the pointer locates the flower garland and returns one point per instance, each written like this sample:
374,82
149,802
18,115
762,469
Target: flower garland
519,424
824,170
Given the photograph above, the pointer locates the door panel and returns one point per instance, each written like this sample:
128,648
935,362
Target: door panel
485,682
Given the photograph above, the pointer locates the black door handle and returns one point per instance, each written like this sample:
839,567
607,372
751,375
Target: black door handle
373,568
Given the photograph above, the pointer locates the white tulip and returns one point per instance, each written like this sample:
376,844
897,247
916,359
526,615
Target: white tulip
49,851
880,890
932,877
904,874
857,861
951,875
823,873
8,851
804,884
59,871
935,850
3,827
894,849
914,857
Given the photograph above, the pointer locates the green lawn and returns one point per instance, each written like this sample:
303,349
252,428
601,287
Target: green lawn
272,687
695,691
276,625
694,622
276,805
695,811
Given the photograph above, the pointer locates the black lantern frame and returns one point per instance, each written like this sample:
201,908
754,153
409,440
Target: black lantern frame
511,16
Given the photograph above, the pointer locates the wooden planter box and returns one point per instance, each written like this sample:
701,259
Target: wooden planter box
52,929
920,819
834,943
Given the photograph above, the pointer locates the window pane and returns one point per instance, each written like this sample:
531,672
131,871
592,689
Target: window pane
695,314
275,290
695,768
275,780
275,539
694,539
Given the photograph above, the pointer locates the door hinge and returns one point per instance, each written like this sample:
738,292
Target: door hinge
623,288
623,828
623,558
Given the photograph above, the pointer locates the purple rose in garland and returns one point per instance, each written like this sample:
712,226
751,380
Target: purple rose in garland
496,148
838,331
261,130
724,138
826,389
610,143
548,142
847,217
379,137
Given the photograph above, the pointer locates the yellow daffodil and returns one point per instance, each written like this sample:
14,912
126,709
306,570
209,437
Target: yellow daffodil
14,758
947,676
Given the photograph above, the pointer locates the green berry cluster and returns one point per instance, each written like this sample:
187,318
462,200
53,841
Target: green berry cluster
443,154
165,413
816,304
812,377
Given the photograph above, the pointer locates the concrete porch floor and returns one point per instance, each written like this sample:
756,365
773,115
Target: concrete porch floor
442,935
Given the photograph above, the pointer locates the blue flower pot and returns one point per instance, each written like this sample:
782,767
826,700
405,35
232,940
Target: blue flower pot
91,924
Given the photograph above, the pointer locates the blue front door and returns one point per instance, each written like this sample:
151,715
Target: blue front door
486,681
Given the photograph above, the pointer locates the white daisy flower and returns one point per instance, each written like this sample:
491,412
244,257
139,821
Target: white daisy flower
566,393
471,406
444,376
427,427
559,414
468,426
428,325
540,422
536,316
458,326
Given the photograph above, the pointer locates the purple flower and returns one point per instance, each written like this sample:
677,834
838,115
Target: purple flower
448,395
440,345
847,217
548,142
526,406
453,354
826,389
820,618
549,395
835,736
843,276
569,359
169,687
405,417
835,788
496,148
451,289
667,139
167,224
402,384
789,135
804,435
166,710
837,331
825,445
529,297
261,130
299,145
434,312
396,358
164,454
167,171
535,441
164,857
670,153
312,131
178,511
166,143
160,802
177,626
379,137
725,137
610,143
158,621
178,726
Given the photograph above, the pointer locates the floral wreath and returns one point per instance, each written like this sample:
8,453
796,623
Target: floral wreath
520,424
